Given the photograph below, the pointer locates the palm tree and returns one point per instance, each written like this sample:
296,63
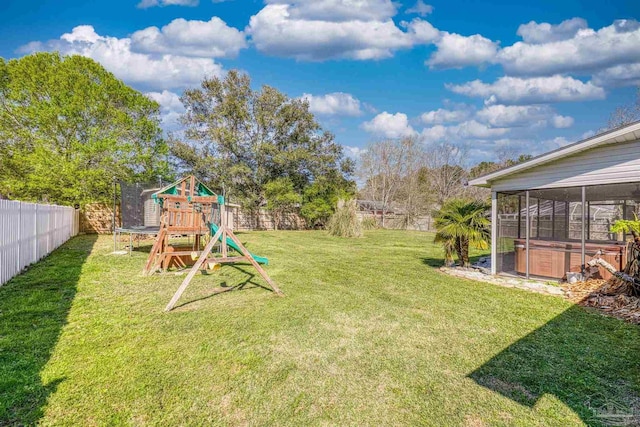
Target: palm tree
460,223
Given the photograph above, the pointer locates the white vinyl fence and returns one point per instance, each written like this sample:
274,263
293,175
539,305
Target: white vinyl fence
30,231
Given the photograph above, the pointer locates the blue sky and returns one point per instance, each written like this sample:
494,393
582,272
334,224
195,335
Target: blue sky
489,76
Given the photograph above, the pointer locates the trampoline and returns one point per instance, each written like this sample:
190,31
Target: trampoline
139,213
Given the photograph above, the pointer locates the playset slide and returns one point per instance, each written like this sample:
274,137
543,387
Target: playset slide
260,259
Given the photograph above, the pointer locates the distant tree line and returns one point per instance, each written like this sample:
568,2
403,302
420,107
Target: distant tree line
415,178
68,128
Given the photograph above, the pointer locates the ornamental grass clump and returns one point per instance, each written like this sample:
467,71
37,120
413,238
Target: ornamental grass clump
369,223
344,222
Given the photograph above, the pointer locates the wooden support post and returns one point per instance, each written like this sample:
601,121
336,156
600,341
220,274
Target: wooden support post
157,263
255,264
155,250
223,226
194,270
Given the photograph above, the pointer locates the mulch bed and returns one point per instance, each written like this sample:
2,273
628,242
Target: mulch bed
609,296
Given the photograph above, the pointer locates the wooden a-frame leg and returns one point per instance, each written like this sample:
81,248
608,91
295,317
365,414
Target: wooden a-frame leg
154,251
194,270
255,264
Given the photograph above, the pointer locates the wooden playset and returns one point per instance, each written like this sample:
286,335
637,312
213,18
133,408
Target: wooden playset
189,208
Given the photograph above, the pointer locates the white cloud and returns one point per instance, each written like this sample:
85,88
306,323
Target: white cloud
611,55
552,144
471,129
535,33
514,115
353,152
389,125
512,147
213,38
619,75
586,52
421,31
333,29
337,103
150,71
82,33
457,51
474,129
434,133
338,10
561,122
420,8
491,122
169,101
144,4
170,108
442,115
515,90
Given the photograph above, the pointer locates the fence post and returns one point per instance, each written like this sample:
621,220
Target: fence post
35,234
19,234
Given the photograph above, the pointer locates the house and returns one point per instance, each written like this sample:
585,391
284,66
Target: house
551,214
376,208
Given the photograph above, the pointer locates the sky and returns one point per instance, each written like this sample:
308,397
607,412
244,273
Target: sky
490,76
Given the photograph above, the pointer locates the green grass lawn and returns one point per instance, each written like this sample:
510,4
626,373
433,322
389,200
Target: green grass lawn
369,333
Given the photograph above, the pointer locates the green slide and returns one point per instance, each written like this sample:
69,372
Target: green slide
231,244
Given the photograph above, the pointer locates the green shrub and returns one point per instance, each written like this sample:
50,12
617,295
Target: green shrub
344,222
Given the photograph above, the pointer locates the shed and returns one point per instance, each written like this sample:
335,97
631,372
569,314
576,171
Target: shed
551,214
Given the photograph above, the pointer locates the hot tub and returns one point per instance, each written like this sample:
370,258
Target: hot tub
553,259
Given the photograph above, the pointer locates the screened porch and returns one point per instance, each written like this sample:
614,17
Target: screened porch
549,232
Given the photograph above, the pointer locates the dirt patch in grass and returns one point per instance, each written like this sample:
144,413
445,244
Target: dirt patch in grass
474,421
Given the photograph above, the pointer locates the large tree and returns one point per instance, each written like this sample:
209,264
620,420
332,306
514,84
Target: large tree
387,169
446,172
239,140
68,127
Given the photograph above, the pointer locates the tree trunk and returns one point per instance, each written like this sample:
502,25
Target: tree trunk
448,255
464,252
458,248
626,281
632,268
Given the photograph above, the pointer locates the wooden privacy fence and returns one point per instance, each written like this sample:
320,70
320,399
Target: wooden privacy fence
30,231
398,221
